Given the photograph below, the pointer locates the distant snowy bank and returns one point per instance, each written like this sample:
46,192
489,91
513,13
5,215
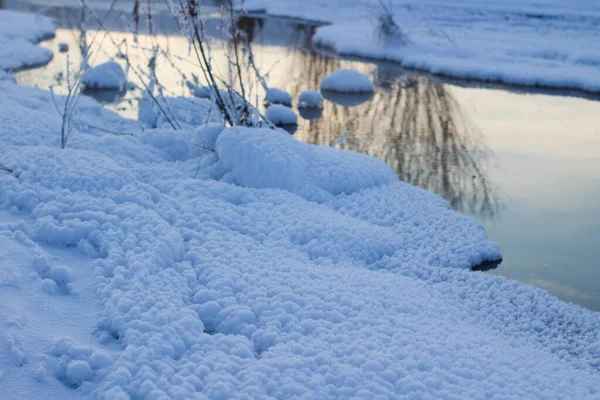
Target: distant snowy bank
18,34
522,43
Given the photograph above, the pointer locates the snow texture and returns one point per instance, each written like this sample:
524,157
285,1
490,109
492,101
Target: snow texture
18,34
278,96
281,115
133,267
310,98
548,43
347,81
108,75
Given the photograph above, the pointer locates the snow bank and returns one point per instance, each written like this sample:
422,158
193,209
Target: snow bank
310,98
278,96
281,115
18,34
545,43
269,268
108,75
347,81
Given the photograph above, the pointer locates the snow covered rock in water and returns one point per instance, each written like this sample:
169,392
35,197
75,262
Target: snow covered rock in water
347,80
281,115
310,99
310,113
109,75
347,99
278,96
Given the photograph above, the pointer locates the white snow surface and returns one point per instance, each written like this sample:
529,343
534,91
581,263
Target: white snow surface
549,43
347,81
310,98
108,75
18,34
281,115
269,268
134,266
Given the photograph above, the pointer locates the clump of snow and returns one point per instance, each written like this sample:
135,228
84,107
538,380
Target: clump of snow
278,96
99,359
281,115
310,99
348,81
60,274
79,371
50,287
108,75
206,137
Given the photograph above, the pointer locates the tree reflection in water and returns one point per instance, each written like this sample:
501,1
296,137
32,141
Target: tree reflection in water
419,129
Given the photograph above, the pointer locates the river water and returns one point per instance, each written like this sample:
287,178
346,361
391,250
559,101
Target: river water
526,164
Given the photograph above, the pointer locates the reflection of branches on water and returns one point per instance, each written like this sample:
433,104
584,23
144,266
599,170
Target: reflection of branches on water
267,32
418,128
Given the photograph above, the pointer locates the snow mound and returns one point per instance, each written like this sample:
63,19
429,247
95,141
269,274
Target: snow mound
281,115
278,96
347,80
206,137
265,158
108,75
310,98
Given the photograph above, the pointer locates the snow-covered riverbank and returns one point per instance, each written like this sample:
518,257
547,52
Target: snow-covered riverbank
135,264
548,43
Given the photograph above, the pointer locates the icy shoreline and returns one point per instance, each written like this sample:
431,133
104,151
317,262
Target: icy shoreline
513,43
144,267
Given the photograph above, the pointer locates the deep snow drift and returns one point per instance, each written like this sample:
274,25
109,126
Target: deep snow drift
535,43
242,263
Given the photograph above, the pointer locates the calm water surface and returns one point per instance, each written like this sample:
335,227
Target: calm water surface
524,164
